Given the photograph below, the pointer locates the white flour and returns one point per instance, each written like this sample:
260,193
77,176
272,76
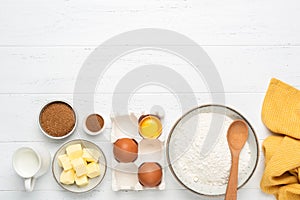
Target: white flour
211,172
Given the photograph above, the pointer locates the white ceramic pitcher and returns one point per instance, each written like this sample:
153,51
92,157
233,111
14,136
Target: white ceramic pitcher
31,163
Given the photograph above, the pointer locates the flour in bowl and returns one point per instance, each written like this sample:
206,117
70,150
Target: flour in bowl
210,172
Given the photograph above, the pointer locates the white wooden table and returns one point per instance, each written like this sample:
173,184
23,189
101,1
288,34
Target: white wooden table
43,44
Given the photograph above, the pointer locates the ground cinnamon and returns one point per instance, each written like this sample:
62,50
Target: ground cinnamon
57,119
94,122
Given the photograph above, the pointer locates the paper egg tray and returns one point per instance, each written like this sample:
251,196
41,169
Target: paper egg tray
125,175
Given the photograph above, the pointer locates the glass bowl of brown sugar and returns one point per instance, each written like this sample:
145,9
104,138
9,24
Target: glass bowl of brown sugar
57,120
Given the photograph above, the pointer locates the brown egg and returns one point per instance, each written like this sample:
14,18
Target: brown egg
150,174
125,150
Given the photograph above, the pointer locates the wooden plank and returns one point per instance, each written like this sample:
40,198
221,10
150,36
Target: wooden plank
47,182
34,22
20,112
54,70
147,195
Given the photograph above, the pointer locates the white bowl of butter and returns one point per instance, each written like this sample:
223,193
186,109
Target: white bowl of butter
79,166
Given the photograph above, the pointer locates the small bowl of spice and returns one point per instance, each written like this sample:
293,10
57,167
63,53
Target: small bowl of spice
93,124
57,120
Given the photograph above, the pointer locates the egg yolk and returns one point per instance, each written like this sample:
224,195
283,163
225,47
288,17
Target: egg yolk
150,127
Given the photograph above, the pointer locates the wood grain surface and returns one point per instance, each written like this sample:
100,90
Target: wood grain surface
43,45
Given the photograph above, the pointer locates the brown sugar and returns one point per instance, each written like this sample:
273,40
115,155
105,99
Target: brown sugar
57,119
94,122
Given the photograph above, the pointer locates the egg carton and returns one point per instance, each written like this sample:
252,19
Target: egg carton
125,175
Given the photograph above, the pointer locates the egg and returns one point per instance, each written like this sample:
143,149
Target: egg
150,174
125,150
150,127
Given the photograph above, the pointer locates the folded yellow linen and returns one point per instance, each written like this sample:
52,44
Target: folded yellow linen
281,114
281,109
282,167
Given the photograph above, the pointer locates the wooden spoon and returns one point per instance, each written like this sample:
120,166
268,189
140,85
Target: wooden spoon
237,136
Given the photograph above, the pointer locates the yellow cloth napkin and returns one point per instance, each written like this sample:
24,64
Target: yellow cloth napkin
281,114
281,109
282,164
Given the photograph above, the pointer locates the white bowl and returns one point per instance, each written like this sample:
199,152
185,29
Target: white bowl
61,137
94,182
91,132
179,142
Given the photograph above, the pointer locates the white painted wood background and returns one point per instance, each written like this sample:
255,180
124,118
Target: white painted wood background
43,44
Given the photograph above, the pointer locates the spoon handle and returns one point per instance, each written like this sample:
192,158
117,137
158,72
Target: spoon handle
231,191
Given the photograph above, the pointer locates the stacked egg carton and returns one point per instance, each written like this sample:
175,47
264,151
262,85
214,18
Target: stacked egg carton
125,175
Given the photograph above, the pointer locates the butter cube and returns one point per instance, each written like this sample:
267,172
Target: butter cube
67,177
81,180
74,151
93,170
64,162
79,165
90,155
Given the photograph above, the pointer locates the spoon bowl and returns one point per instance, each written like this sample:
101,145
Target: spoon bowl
237,135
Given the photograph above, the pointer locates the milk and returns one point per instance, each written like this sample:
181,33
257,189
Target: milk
31,163
27,163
